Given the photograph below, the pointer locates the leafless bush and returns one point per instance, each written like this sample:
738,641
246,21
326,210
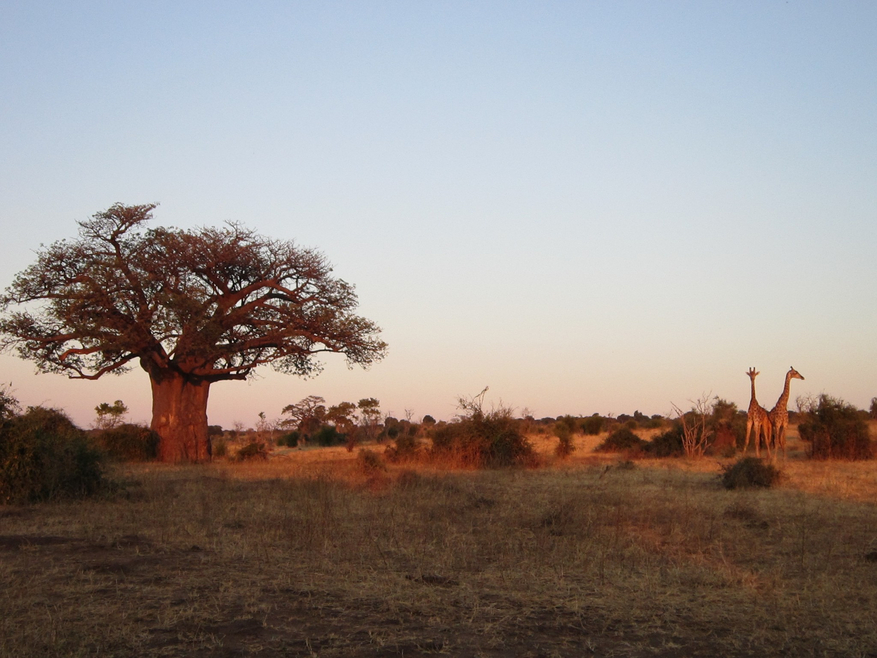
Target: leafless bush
695,431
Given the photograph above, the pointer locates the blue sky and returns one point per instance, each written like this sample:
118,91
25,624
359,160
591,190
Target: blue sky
588,207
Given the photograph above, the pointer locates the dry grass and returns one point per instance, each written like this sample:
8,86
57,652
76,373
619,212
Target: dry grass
310,555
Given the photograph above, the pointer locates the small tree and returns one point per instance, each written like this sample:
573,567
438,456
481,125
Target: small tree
369,418
727,426
342,416
110,415
265,427
8,404
695,432
305,416
563,431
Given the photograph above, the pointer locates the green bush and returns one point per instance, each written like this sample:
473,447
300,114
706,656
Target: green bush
592,425
289,439
621,440
835,430
728,428
220,448
563,432
130,443
328,436
483,439
44,456
369,462
653,423
253,450
749,472
404,448
667,444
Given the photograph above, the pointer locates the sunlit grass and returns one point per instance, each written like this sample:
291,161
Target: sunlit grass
312,553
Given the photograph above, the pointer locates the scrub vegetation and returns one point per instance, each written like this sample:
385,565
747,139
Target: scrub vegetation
415,544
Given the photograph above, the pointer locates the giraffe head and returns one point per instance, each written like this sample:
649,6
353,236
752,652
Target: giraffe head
794,374
753,373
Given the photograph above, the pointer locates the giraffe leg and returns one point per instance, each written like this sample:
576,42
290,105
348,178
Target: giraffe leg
746,443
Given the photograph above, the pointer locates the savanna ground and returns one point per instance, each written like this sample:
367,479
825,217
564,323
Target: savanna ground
312,554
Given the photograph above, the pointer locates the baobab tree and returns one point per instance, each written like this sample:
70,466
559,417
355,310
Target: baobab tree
192,307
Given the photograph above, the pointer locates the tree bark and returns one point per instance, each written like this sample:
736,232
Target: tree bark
179,417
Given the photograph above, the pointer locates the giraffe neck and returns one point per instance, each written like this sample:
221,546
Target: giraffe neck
753,402
783,402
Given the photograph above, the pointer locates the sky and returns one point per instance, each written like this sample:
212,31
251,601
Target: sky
588,207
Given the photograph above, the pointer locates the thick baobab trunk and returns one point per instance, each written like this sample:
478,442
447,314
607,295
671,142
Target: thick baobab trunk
179,417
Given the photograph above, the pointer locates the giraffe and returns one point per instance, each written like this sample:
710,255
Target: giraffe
757,419
779,415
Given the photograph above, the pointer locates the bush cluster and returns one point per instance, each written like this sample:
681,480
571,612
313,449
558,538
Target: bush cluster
622,440
592,425
483,439
44,456
289,439
724,427
668,443
129,442
835,430
405,448
327,436
253,450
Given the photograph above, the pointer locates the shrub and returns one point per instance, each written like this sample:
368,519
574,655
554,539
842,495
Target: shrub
563,432
369,462
728,427
749,472
696,426
129,442
328,436
220,448
289,439
621,440
668,443
44,456
835,430
592,425
405,448
482,439
253,450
